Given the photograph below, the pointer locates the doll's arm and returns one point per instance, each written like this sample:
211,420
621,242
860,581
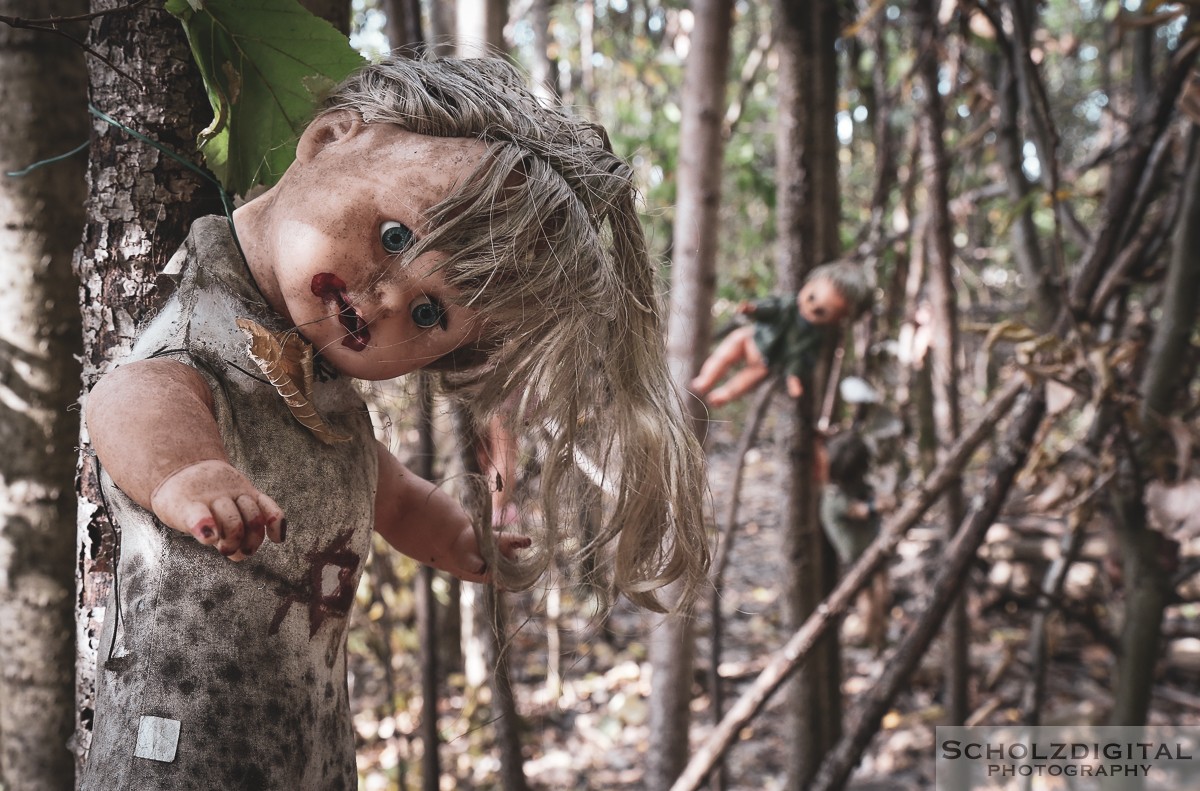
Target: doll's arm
154,430
422,521
767,309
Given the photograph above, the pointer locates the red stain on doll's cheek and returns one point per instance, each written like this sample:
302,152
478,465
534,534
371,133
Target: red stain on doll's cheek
326,284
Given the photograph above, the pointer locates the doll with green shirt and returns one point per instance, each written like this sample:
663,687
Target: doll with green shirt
784,335
438,217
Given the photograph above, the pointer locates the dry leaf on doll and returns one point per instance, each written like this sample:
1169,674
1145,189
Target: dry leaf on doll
286,360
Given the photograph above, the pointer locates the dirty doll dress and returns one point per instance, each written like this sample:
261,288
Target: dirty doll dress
221,675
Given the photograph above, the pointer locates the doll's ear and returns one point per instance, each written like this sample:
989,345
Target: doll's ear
326,130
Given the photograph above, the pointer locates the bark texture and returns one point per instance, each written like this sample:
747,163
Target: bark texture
140,204
404,25
1148,586
42,85
693,282
944,314
808,212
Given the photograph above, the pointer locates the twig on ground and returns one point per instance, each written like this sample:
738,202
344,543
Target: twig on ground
795,651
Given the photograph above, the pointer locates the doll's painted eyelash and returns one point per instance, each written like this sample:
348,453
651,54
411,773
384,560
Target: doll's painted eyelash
396,237
428,312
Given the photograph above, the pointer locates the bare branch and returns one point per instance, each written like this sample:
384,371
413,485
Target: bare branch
955,563
1122,187
796,650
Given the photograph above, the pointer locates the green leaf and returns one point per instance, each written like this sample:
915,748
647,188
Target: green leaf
265,65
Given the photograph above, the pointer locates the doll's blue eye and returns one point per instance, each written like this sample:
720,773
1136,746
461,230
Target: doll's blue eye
428,312
396,237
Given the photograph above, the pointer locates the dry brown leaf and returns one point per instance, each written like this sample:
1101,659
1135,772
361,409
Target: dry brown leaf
286,360
1058,396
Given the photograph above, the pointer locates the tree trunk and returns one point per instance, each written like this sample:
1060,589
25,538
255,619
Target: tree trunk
1147,585
443,24
43,80
480,31
945,347
404,25
693,282
486,642
585,91
140,205
793,654
543,70
808,211
1023,234
427,620
1161,382
508,724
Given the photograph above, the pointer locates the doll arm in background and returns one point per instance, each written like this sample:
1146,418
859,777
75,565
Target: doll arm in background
422,521
154,431
767,309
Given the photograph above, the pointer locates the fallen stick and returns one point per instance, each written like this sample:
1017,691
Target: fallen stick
787,659
955,564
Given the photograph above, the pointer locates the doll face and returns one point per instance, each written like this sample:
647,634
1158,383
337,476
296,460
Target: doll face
820,302
325,245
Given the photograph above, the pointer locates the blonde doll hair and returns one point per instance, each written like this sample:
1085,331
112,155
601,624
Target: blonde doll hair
544,240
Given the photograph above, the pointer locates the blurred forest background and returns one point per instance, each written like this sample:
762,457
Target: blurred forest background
1021,181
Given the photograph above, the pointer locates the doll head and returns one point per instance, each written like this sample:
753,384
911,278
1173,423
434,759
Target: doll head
832,292
541,255
849,460
327,245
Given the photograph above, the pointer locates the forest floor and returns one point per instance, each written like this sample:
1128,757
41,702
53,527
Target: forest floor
590,732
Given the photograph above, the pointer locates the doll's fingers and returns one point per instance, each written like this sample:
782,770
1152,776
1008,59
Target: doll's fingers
229,525
511,542
254,523
200,523
472,568
275,521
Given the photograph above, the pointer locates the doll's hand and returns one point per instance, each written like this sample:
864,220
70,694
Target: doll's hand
220,507
745,308
466,561
795,387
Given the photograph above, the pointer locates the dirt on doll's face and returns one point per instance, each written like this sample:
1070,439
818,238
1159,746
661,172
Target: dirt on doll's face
326,243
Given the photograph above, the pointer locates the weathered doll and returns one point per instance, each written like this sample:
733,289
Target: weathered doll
850,518
436,216
784,335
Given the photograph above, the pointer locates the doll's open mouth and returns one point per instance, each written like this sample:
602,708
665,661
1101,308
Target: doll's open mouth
331,288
